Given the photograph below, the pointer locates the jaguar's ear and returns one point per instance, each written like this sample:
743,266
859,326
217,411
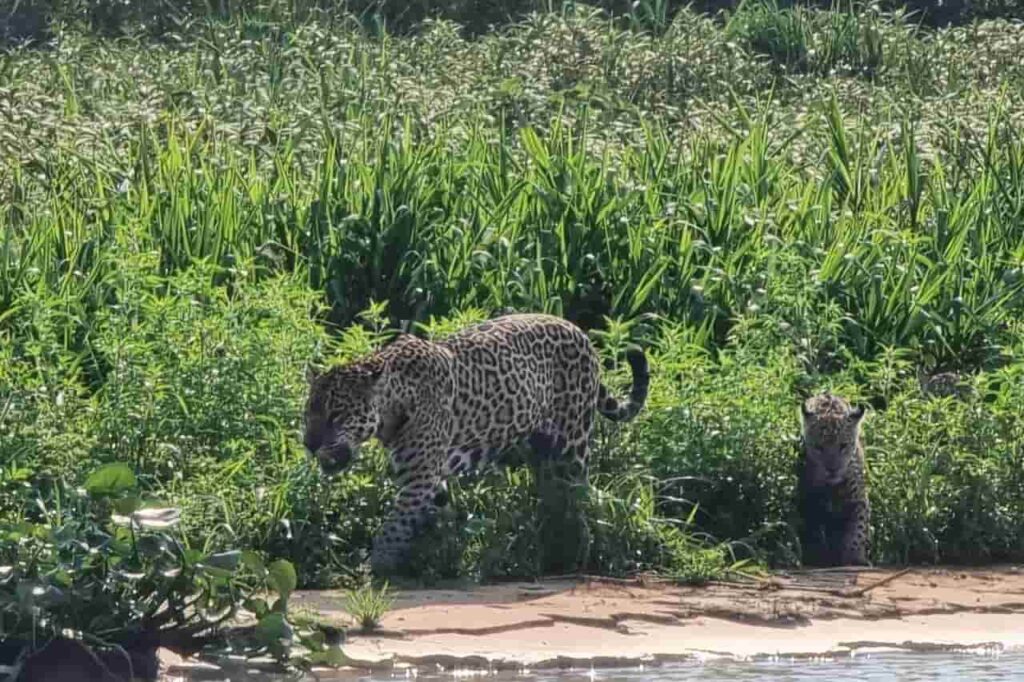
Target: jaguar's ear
369,375
857,414
804,412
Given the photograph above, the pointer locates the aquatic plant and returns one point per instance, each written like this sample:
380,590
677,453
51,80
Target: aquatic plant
103,564
367,604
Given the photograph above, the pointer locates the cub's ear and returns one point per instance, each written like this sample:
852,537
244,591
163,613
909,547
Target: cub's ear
857,413
376,371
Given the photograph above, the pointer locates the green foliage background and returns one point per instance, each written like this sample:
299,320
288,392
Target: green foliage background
773,202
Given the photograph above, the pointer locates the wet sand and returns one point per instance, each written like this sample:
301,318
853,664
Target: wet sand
597,622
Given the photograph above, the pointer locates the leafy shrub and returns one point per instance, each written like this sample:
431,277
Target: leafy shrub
101,562
949,488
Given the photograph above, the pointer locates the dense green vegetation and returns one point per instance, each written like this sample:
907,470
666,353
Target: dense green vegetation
35,18
772,201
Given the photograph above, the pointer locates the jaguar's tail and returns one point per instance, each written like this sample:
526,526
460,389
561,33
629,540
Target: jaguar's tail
624,411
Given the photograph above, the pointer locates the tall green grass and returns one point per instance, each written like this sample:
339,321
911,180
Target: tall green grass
33,19
917,252
333,155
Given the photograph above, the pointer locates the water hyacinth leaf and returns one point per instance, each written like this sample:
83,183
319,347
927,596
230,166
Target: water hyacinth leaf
254,562
61,578
13,532
127,505
332,656
110,479
122,542
192,556
314,641
257,606
226,560
221,565
282,577
273,629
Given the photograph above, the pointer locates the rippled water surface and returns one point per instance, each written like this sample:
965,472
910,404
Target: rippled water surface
973,667
870,667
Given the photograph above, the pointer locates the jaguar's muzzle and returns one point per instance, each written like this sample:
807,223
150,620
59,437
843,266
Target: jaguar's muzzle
335,458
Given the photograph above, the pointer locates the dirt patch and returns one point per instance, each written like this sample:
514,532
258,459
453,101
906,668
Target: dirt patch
567,623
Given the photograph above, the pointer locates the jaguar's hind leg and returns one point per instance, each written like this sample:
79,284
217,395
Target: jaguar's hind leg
565,444
561,453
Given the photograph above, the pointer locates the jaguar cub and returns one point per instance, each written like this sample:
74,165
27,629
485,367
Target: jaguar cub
832,490
446,408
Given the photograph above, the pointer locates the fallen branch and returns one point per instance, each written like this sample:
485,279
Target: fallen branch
861,591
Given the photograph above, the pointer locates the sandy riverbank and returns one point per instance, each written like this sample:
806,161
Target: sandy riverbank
572,623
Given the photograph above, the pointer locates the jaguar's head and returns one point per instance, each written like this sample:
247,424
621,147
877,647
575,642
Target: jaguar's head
831,429
341,414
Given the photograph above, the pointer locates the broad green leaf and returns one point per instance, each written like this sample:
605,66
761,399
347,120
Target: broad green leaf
254,562
61,578
110,479
332,656
126,505
227,561
282,577
273,628
314,641
258,606
14,532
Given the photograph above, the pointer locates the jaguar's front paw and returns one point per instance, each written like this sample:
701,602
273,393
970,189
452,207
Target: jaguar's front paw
854,559
386,563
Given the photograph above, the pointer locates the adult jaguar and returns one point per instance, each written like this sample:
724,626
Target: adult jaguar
444,408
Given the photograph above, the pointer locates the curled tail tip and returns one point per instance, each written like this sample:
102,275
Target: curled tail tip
625,411
635,355
638,364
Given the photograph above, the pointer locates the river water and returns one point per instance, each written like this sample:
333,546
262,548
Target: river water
861,668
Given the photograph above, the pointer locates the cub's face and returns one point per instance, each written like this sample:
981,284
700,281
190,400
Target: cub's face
831,432
340,415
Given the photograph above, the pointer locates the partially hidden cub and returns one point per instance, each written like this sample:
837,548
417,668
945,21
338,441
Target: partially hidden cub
832,490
